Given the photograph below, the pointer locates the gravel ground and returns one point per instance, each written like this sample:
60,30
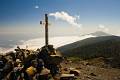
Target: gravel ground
90,71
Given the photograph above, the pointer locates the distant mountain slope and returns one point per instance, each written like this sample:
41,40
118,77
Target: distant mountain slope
98,33
106,46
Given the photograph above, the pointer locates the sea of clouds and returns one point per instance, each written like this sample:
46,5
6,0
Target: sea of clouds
40,42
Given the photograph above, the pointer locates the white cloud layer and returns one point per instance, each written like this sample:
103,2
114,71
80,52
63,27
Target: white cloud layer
39,42
66,17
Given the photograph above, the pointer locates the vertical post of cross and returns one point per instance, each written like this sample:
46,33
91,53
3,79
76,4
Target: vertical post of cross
46,30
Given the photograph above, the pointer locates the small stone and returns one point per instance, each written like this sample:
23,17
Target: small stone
92,74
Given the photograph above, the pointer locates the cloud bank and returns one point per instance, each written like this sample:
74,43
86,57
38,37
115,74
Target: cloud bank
66,17
39,42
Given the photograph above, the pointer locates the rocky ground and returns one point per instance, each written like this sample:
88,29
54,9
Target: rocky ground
94,69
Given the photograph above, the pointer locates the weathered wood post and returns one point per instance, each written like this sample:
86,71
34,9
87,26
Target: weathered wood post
46,29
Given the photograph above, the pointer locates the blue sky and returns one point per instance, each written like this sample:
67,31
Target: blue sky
22,14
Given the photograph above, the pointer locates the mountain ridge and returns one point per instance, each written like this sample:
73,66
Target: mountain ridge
103,46
90,42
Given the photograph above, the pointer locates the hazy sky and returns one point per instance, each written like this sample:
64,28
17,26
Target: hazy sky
65,16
